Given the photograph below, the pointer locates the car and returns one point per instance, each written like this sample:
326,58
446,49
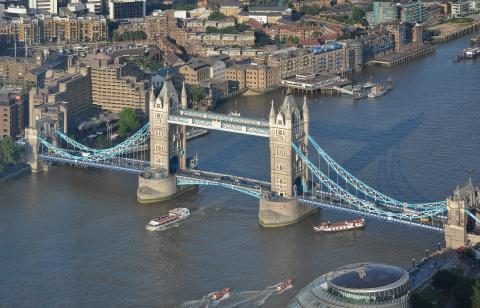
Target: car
218,179
197,173
224,178
237,181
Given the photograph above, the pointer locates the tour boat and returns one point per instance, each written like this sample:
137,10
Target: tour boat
220,294
174,215
377,90
284,284
340,226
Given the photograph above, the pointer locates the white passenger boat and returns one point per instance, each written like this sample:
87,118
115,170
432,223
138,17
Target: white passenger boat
175,215
340,226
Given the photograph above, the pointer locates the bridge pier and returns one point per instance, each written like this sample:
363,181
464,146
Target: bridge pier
282,212
155,187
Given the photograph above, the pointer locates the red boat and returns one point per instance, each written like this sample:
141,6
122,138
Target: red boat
284,284
220,294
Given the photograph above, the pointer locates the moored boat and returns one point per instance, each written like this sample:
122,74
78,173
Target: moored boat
174,215
340,226
284,284
220,294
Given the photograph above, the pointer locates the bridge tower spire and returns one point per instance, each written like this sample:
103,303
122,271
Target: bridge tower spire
288,173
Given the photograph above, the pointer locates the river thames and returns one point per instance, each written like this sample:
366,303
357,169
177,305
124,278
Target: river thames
76,237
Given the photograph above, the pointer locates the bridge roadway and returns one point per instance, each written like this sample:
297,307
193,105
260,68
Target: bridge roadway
218,121
249,186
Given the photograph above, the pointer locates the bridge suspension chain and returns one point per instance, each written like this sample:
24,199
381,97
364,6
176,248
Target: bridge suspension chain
367,190
367,206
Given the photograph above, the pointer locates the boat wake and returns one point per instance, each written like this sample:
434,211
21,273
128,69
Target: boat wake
238,299
159,229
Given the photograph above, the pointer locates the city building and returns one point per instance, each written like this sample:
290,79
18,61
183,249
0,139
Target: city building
11,112
383,12
126,9
117,85
459,8
43,6
255,77
195,72
329,58
65,99
409,11
42,29
264,14
159,25
230,7
13,70
246,38
357,285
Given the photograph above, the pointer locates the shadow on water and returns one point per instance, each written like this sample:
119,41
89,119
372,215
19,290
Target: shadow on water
379,143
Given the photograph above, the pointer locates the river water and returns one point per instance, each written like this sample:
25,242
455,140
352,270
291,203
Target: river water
76,238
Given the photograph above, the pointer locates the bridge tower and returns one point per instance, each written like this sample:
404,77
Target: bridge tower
31,150
288,173
167,146
465,199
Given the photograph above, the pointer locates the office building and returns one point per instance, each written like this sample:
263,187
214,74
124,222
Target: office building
11,112
44,6
126,9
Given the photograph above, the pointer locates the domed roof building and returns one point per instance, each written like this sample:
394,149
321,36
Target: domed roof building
357,285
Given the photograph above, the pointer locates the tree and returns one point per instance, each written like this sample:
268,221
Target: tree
357,13
462,292
101,141
476,294
196,93
216,16
10,153
128,122
418,301
443,280
261,39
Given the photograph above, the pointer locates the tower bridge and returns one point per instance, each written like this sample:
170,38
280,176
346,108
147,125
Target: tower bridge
303,177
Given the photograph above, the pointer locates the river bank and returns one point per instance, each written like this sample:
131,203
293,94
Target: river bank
14,172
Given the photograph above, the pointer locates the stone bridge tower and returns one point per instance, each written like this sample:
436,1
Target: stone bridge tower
167,146
465,198
288,173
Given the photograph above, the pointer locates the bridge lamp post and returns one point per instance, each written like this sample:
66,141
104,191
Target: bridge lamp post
426,252
413,262
439,246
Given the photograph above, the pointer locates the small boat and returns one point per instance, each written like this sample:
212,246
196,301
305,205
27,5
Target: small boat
220,294
284,284
340,226
174,215
377,90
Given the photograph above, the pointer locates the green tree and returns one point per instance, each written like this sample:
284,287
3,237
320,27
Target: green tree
128,122
357,13
476,294
443,280
196,93
10,153
261,39
418,301
101,141
463,291
216,15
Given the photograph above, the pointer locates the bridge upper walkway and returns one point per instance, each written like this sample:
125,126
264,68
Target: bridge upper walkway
222,122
